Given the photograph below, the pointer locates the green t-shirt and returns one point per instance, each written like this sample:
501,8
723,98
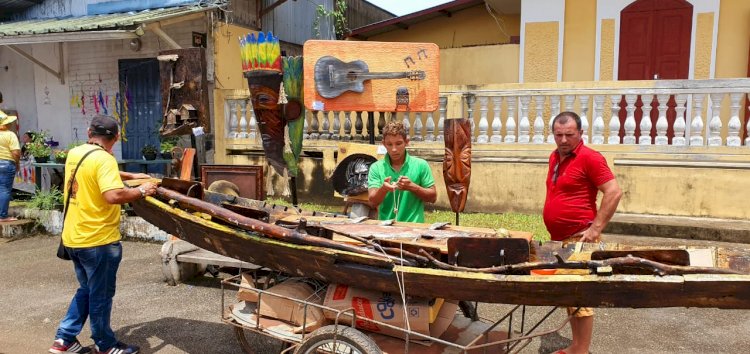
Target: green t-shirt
410,207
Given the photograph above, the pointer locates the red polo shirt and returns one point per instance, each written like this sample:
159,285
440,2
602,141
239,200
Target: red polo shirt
570,205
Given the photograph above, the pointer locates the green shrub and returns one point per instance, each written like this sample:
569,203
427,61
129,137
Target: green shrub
46,200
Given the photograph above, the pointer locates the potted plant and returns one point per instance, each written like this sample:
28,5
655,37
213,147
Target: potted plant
39,149
60,156
166,149
149,152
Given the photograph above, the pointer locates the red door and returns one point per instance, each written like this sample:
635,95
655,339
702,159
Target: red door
654,44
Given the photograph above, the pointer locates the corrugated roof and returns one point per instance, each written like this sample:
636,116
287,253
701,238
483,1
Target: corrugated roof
117,21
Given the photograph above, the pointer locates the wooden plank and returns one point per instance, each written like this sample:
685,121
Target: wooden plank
207,257
379,57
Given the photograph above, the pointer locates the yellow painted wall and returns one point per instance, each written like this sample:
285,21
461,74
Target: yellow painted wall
579,41
541,52
704,38
227,64
607,47
734,39
470,27
479,65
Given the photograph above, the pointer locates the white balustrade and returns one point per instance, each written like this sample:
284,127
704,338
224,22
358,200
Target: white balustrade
645,138
484,125
538,137
629,120
714,125
231,106
441,121
584,99
523,124
510,122
679,122
336,135
407,125
597,129
325,134
430,127
614,121
555,107
661,123
734,126
347,135
497,124
418,127
314,133
696,126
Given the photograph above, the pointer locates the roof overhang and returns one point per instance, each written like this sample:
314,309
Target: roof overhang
97,27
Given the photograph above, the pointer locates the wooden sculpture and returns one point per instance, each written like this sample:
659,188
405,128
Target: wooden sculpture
276,94
184,91
457,162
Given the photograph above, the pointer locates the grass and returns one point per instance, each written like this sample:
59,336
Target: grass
511,221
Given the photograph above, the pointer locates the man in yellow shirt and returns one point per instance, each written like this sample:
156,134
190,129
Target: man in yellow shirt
91,234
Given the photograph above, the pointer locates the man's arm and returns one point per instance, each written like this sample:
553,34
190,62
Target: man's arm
611,197
16,158
127,195
426,194
129,175
376,195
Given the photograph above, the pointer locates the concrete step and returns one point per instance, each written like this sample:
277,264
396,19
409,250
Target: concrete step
681,227
18,228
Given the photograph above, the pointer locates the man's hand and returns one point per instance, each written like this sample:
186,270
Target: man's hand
149,187
388,186
404,183
589,235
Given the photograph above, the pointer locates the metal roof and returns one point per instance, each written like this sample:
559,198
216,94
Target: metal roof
106,22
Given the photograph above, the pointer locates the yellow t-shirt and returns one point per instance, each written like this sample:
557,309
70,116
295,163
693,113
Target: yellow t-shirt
91,221
8,143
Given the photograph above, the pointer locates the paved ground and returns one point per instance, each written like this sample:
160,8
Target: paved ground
36,288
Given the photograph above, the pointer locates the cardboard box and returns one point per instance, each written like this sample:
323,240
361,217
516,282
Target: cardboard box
247,294
293,311
387,308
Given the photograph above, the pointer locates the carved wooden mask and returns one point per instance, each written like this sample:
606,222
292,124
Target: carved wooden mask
457,162
264,95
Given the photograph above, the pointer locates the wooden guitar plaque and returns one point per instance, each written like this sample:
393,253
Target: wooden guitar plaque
371,76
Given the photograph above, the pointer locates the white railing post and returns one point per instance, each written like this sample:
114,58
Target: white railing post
233,122
430,126
597,128
483,138
554,103
714,126
418,127
407,125
510,122
523,125
359,126
734,125
441,120
325,134
679,121
470,98
568,103
645,138
630,120
347,136
696,126
306,126
336,134
661,123
381,125
314,134
614,121
538,137
497,123
584,100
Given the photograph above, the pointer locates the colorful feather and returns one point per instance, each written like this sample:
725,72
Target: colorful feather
260,53
292,81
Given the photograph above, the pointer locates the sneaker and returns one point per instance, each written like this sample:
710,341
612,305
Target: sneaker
60,347
119,348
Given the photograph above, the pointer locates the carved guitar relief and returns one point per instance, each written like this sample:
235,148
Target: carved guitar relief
457,162
334,77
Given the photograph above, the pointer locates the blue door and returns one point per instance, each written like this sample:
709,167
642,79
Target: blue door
139,83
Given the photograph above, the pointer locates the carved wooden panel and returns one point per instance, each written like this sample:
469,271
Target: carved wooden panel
368,76
248,179
190,70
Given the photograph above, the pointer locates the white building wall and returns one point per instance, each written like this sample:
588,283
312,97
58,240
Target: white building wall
93,66
17,86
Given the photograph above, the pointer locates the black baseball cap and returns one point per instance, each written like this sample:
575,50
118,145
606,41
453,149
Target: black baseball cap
104,125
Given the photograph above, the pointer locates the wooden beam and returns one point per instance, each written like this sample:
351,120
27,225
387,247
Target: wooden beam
66,37
156,28
29,57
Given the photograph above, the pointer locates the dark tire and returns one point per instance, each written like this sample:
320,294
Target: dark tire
348,339
254,343
469,310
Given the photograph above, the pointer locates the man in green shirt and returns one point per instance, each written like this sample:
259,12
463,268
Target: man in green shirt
400,184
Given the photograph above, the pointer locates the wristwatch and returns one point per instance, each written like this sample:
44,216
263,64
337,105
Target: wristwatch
143,191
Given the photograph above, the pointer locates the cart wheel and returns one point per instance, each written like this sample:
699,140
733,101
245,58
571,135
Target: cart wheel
348,340
253,343
469,310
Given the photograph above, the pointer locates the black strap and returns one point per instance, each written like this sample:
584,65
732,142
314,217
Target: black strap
72,179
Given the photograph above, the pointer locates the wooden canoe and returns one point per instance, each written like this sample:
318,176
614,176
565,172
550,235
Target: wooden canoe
286,248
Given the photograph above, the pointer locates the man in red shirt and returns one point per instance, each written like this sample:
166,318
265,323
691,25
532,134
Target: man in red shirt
576,174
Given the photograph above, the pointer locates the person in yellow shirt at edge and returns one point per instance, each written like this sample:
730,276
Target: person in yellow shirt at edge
91,234
400,184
